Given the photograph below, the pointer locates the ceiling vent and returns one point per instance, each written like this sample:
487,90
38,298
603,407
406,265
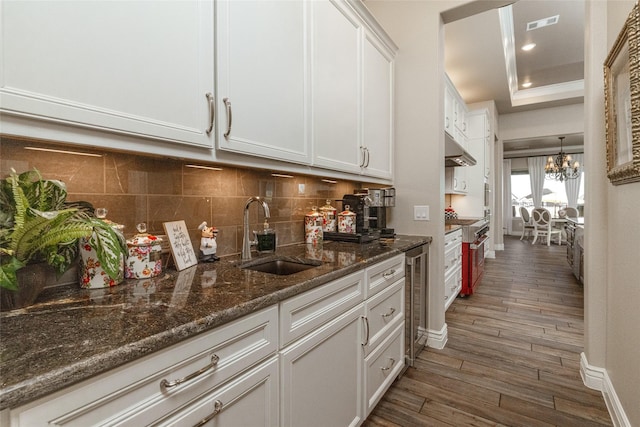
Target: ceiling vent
534,25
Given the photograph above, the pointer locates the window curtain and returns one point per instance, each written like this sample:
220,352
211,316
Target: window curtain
536,176
507,203
572,186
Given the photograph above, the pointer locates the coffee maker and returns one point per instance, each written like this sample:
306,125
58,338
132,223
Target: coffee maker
370,206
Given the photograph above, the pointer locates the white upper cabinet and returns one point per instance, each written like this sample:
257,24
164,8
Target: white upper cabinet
377,108
262,82
337,87
136,68
352,91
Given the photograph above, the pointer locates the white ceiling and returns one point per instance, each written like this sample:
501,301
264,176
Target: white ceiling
475,59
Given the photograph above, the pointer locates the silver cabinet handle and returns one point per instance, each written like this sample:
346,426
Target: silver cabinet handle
212,112
389,274
217,407
392,362
446,120
389,313
366,325
363,156
168,384
227,105
367,156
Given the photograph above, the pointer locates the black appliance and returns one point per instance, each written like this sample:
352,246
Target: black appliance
370,207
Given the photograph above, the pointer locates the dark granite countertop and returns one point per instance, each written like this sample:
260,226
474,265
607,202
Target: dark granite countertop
71,334
450,228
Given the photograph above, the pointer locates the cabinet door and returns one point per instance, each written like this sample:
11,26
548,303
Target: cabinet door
377,108
448,109
321,375
336,88
250,400
138,68
262,94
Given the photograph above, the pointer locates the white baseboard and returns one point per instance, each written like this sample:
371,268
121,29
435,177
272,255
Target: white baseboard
598,379
499,247
490,254
437,339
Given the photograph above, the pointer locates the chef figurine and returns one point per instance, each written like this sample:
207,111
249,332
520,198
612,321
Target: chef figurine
208,243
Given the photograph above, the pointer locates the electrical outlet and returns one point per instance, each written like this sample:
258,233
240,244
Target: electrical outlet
421,213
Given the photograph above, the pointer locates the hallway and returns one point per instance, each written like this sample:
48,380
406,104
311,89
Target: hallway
513,354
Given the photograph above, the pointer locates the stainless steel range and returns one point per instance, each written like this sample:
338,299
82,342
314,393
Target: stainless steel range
474,236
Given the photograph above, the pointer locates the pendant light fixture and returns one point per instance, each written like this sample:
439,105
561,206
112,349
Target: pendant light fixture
562,167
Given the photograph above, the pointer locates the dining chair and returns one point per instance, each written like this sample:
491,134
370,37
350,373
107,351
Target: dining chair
527,226
571,212
542,226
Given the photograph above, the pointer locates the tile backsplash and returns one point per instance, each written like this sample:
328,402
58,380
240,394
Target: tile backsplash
136,188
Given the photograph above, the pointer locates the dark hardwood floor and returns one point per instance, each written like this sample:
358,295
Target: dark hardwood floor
513,354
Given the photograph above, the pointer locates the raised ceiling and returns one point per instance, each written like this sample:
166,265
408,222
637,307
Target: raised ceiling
484,60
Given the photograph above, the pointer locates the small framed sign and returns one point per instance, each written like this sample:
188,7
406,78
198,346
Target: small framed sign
181,247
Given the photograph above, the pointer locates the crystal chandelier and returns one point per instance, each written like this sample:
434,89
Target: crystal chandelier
561,167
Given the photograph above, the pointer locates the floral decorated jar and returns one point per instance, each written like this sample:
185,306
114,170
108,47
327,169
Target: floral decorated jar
347,221
313,226
91,275
329,217
144,258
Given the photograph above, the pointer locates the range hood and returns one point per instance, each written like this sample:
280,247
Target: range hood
455,154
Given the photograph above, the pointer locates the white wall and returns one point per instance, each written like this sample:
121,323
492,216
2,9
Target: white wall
416,28
612,283
567,119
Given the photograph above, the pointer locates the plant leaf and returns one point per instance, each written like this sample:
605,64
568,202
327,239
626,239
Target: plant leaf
8,270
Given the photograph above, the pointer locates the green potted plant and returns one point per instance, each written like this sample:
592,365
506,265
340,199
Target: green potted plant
39,227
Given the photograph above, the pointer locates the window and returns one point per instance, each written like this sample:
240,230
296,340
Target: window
554,195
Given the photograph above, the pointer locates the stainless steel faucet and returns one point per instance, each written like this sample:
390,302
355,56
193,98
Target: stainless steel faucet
246,242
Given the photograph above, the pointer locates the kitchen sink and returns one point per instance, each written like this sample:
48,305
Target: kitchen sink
280,266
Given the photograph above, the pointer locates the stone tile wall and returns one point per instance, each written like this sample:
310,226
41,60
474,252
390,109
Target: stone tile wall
137,188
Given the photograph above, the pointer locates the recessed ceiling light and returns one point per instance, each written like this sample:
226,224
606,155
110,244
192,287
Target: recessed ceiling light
528,46
526,84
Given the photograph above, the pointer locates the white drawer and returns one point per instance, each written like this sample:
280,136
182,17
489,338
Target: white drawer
132,395
249,400
383,311
306,312
452,239
382,366
452,259
383,274
452,286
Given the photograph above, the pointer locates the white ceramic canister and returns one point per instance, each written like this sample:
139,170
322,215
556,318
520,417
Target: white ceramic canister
145,252
90,274
329,217
347,221
313,226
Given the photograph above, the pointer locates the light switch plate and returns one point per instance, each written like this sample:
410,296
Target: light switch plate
421,213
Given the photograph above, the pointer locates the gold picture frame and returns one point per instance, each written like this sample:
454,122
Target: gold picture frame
622,103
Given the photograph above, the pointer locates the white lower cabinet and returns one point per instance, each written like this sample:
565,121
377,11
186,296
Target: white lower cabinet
320,358
452,266
320,377
249,400
383,365
136,394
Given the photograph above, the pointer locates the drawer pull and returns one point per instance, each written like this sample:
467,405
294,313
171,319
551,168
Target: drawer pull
167,384
390,313
392,361
366,326
217,407
389,274
212,112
